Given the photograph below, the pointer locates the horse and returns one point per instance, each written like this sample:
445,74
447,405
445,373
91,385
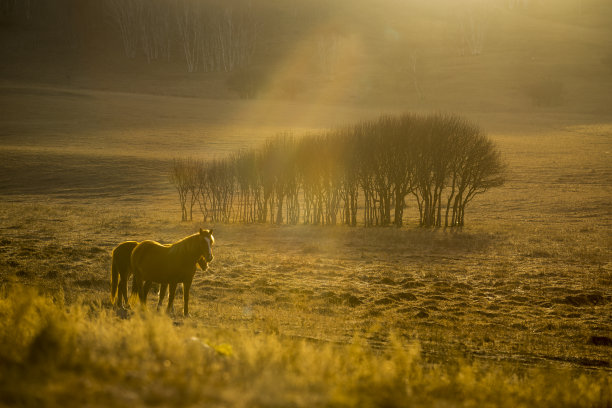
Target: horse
170,265
121,271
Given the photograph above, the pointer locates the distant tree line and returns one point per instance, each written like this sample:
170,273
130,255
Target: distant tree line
360,174
209,35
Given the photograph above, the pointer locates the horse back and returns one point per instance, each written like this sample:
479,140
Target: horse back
122,253
148,253
160,263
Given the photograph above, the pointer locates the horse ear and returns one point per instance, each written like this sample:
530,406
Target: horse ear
201,231
210,232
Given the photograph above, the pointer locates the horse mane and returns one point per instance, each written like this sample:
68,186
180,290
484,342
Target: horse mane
185,246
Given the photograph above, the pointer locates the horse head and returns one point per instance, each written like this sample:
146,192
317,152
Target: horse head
206,243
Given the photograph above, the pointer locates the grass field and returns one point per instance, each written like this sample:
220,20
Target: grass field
512,310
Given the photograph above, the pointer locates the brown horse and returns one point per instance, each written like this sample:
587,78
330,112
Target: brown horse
170,264
120,271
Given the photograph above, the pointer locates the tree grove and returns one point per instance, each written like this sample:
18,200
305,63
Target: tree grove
360,174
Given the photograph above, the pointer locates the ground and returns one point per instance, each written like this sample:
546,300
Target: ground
523,290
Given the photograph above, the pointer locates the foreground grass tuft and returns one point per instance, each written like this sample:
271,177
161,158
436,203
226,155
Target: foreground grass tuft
54,354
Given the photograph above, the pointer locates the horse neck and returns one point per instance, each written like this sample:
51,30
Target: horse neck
190,247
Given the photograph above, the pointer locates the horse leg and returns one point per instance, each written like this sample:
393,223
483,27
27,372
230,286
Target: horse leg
137,287
125,291
122,296
163,287
146,288
171,294
124,285
119,298
186,286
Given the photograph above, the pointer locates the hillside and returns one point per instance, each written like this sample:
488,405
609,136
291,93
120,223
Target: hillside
409,56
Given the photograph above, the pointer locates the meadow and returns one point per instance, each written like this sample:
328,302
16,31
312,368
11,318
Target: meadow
513,309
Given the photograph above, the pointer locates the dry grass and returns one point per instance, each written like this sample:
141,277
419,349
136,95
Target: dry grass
514,309
51,349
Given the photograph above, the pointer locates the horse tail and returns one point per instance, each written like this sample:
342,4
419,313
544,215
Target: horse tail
114,282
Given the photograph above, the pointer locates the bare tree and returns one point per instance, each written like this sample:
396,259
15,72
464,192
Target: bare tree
483,170
361,136
414,72
210,35
443,160
189,22
237,37
402,162
309,173
246,180
473,23
179,177
156,29
126,14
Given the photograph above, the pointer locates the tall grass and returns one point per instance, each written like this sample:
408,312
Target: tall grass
52,354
